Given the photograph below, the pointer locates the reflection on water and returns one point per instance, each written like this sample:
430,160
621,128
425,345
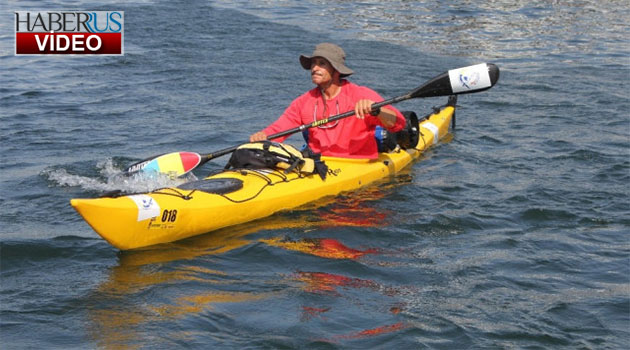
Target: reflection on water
324,247
122,310
355,215
138,292
371,332
322,282
309,313
115,328
196,304
329,284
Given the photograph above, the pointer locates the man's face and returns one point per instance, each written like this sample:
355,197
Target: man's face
321,71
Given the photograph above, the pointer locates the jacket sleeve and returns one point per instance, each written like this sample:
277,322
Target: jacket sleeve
367,93
288,120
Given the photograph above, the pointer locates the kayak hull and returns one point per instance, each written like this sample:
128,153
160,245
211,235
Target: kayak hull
172,214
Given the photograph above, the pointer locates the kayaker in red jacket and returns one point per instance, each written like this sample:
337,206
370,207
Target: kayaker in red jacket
351,137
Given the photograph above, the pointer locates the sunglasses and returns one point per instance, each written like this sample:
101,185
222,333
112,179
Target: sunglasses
325,126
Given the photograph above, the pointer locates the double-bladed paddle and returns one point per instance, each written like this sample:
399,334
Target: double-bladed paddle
454,82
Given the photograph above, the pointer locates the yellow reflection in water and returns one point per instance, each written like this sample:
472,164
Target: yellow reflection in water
324,247
195,304
126,305
120,315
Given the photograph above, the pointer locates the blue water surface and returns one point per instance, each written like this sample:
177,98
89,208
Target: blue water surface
512,234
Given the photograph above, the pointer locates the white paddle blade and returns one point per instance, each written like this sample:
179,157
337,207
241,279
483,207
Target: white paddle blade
471,78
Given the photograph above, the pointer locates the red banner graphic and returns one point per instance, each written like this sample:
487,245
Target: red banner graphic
68,43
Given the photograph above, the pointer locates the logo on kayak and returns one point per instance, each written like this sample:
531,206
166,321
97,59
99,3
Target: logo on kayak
69,32
169,215
334,172
147,207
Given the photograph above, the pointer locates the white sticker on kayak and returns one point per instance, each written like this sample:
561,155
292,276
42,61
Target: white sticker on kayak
469,78
434,130
147,207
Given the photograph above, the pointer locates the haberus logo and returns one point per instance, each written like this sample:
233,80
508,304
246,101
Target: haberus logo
69,32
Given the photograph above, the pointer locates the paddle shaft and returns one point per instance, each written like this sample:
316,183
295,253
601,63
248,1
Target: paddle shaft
454,82
444,84
209,156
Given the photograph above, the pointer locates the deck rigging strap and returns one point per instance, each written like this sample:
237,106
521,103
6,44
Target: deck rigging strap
276,156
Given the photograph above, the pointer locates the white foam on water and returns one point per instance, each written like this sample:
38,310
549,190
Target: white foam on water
110,179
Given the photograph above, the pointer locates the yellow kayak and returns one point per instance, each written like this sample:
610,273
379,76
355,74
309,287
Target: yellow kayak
238,196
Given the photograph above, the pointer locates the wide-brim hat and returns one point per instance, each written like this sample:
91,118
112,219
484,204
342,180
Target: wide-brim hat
333,54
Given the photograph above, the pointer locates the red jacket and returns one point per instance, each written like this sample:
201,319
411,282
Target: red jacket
349,137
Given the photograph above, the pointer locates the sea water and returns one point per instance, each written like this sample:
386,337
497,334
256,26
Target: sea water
512,234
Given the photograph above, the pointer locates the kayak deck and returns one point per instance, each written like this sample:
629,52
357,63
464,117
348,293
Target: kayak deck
171,214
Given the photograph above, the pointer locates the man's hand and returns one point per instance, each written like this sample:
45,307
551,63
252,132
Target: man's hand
259,136
386,116
363,108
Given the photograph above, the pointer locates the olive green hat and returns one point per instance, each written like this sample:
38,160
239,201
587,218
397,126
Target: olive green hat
333,54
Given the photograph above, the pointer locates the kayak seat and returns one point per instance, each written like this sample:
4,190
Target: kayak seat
216,186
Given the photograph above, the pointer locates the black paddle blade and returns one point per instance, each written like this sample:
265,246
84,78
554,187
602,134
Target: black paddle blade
460,81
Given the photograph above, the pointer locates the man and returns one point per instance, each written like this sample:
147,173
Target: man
351,137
